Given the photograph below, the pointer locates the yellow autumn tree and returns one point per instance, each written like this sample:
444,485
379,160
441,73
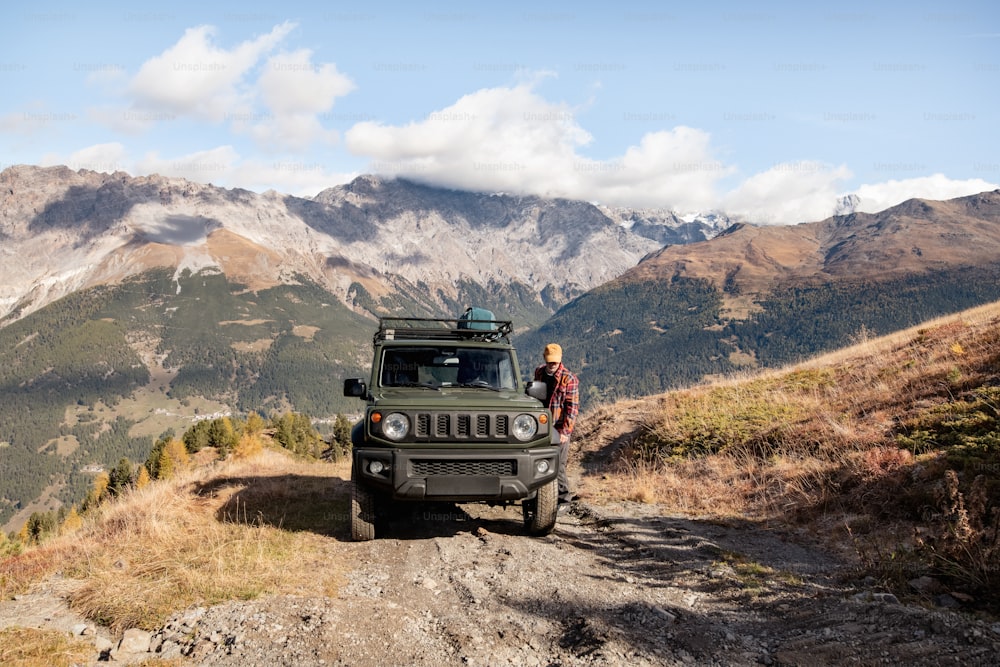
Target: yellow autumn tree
142,479
255,424
173,458
179,453
165,465
72,522
250,445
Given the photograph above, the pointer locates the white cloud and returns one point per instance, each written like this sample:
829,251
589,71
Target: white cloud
788,193
493,139
277,100
105,158
224,166
291,83
196,77
296,91
208,166
880,196
511,139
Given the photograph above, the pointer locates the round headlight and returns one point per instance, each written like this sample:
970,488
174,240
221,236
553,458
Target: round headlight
525,427
395,426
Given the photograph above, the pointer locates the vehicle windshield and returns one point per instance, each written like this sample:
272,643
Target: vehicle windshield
437,366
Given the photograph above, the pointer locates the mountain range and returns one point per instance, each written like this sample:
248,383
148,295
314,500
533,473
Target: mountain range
132,305
63,231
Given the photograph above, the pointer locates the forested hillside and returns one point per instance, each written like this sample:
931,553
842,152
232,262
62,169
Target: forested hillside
637,338
66,369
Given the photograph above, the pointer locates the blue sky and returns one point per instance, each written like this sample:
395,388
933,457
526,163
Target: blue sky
769,110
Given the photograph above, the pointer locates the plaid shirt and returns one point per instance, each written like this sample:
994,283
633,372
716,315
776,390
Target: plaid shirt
565,399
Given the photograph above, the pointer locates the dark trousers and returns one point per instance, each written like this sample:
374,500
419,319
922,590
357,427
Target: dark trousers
565,492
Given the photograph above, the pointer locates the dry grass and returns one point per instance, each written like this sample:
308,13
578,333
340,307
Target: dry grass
31,647
864,436
206,536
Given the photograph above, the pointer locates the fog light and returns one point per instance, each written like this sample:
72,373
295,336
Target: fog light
376,467
542,466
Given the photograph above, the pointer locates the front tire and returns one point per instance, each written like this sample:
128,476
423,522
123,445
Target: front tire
540,512
362,513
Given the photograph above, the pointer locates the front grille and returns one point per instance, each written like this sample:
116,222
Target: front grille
452,426
432,468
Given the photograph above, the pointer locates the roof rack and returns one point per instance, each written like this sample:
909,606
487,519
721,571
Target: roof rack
436,328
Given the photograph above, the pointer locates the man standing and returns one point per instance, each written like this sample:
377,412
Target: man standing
562,396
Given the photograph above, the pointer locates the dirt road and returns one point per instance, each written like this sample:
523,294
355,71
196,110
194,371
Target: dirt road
615,585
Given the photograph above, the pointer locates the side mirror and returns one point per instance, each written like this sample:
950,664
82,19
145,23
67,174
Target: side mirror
355,387
536,389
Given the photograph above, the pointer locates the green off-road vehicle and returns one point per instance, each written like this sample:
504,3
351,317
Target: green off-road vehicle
448,418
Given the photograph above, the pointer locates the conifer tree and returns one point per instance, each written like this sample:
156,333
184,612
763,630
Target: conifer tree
341,436
254,424
121,478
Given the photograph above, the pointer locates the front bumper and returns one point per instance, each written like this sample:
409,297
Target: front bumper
447,474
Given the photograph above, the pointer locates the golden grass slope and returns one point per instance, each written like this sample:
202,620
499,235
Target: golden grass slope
233,530
889,449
